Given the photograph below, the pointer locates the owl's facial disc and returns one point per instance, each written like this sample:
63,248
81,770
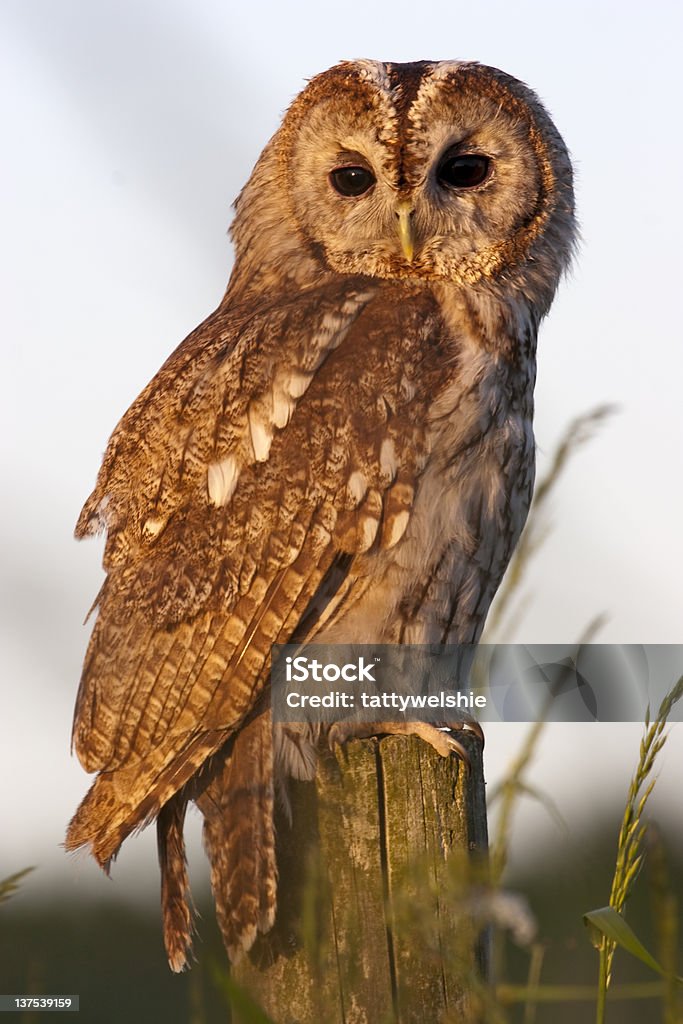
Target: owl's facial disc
441,172
416,209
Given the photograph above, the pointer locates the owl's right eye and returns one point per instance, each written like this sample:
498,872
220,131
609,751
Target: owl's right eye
352,181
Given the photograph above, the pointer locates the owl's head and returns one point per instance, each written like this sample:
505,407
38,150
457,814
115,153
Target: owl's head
435,171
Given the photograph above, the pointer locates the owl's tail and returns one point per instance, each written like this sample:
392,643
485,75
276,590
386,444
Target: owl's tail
234,790
175,884
239,837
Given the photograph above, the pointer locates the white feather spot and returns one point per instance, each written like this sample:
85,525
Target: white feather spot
261,433
296,383
153,527
222,479
388,462
331,324
357,486
368,532
396,528
283,407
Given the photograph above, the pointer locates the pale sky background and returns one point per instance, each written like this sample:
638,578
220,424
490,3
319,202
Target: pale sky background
128,129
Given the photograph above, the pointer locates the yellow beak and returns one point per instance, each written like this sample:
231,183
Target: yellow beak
404,212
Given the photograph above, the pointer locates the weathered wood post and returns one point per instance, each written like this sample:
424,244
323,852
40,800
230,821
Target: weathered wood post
370,926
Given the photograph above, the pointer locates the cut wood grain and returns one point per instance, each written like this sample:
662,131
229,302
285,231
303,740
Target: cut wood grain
375,876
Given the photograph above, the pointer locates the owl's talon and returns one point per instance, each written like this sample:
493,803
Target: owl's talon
469,725
335,737
440,738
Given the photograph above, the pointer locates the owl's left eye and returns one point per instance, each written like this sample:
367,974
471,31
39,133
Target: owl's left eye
463,170
351,181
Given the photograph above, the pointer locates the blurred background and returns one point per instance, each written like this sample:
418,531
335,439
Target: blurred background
128,129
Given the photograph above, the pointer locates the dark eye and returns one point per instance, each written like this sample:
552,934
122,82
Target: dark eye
463,171
352,181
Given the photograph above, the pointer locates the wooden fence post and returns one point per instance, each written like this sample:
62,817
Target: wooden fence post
373,876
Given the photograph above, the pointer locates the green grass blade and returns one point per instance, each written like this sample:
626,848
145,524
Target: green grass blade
612,925
8,886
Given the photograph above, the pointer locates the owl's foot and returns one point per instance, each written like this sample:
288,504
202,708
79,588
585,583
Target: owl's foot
440,737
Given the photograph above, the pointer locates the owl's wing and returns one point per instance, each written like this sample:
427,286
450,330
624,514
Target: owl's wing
244,494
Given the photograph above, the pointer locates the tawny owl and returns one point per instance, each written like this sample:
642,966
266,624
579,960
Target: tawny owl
343,451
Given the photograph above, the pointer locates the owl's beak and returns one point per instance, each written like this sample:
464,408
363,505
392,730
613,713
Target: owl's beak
404,212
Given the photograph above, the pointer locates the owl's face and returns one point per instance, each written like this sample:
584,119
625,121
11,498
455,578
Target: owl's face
431,171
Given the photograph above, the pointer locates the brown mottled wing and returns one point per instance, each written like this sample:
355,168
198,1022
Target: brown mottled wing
228,491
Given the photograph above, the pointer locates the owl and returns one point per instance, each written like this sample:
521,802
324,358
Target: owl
342,452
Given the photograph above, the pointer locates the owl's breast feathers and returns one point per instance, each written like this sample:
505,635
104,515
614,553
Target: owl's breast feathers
355,462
